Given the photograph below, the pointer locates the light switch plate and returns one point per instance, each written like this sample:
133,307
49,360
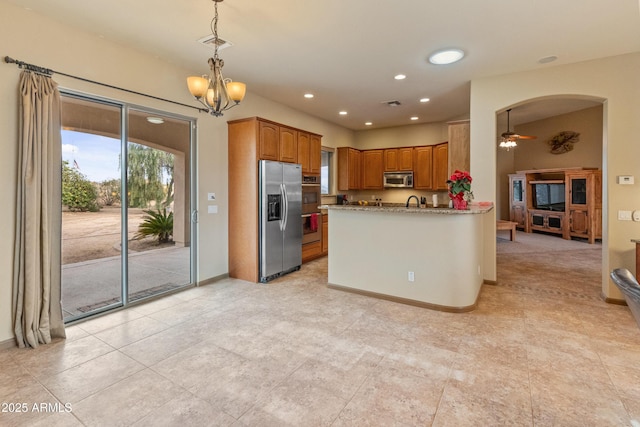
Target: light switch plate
624,215
212,209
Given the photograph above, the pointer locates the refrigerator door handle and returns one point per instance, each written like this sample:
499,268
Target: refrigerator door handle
285,201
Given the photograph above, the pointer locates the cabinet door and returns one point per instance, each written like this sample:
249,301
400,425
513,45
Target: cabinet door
405,159
579,222
518,215
578,190
325,234
422,172
372,163
303,151
348,169
288,145
315,155
269,141
391,159
440,166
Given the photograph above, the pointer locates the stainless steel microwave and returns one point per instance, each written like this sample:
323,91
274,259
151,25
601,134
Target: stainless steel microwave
398,179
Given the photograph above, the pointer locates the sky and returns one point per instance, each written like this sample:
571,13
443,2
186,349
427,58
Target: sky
97,156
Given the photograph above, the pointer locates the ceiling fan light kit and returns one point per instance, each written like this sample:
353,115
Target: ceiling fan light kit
510,139
215,92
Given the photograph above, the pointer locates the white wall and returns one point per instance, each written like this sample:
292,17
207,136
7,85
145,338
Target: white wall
614,79
33,38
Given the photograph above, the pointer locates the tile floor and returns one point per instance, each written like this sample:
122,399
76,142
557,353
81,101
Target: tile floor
296,353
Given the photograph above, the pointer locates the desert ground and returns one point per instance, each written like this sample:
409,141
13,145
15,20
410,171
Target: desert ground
94,235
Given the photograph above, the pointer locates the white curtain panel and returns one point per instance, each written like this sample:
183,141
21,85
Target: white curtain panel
37,307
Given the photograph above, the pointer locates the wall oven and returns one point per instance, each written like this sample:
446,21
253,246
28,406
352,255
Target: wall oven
311,231
310,194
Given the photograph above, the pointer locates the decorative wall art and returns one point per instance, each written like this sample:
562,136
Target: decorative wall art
563,142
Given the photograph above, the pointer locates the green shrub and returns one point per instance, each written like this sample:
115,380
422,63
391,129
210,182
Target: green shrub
78,193
156,223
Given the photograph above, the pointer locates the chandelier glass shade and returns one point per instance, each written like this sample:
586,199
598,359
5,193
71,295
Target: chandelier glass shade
215,92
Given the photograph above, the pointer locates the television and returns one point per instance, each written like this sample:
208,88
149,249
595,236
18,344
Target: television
548,197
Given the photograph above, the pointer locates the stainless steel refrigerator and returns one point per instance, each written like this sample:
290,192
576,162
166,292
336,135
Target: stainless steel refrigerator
280,219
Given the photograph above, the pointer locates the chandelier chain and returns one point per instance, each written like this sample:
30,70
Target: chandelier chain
214,29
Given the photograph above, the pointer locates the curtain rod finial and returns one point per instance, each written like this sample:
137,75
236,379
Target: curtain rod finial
9,60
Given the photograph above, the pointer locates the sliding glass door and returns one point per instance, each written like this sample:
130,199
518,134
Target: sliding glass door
127,232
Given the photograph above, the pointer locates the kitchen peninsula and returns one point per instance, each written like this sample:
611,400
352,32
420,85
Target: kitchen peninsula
429,257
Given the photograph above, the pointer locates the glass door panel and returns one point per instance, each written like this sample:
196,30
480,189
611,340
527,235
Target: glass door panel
91,207
159,204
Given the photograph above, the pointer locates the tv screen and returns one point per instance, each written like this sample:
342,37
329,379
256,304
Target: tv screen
549,197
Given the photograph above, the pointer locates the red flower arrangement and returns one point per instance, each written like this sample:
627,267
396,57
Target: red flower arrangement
460,189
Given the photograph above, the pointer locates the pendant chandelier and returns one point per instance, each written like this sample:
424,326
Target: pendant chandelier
215,92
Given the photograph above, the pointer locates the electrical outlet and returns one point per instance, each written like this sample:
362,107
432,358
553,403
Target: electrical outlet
624,215
411,277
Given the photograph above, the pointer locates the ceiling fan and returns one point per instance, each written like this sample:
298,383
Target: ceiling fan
509,139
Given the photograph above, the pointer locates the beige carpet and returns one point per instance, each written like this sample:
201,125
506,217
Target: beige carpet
546,264
538,242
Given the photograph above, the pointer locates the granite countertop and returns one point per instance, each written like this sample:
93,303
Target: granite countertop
401,208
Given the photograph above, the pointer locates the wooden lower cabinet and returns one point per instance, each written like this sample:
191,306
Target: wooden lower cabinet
548,221
311,251
325,234
519,216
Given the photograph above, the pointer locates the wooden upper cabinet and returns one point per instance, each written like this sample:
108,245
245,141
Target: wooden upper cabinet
372,169
391,159
269,141
398,159
405,159
315,155
303,151
440,166
422,167
349,170
309,147
288,145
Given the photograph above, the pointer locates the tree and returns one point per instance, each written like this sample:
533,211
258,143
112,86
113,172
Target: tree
146,169
78,193
109,192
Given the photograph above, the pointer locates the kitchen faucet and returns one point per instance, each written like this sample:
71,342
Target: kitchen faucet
413,196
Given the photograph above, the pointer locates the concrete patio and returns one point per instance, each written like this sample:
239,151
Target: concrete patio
91,285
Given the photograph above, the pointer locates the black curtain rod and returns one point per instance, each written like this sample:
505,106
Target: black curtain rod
49,72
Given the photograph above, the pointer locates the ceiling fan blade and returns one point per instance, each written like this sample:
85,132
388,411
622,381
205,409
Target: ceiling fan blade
526,137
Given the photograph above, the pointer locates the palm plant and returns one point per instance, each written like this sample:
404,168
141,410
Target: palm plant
156,223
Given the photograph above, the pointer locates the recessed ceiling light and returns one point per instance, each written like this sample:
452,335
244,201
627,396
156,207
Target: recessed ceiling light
343,113
423,100
155,120
447,56
415,118
368,123
308,95
400,77
547,59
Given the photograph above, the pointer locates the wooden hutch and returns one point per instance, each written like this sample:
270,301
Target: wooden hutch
566,201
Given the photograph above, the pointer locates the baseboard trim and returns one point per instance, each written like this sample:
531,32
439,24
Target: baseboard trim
615,301
7,344
213,279
407,301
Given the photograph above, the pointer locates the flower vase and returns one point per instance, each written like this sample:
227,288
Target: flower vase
459,204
